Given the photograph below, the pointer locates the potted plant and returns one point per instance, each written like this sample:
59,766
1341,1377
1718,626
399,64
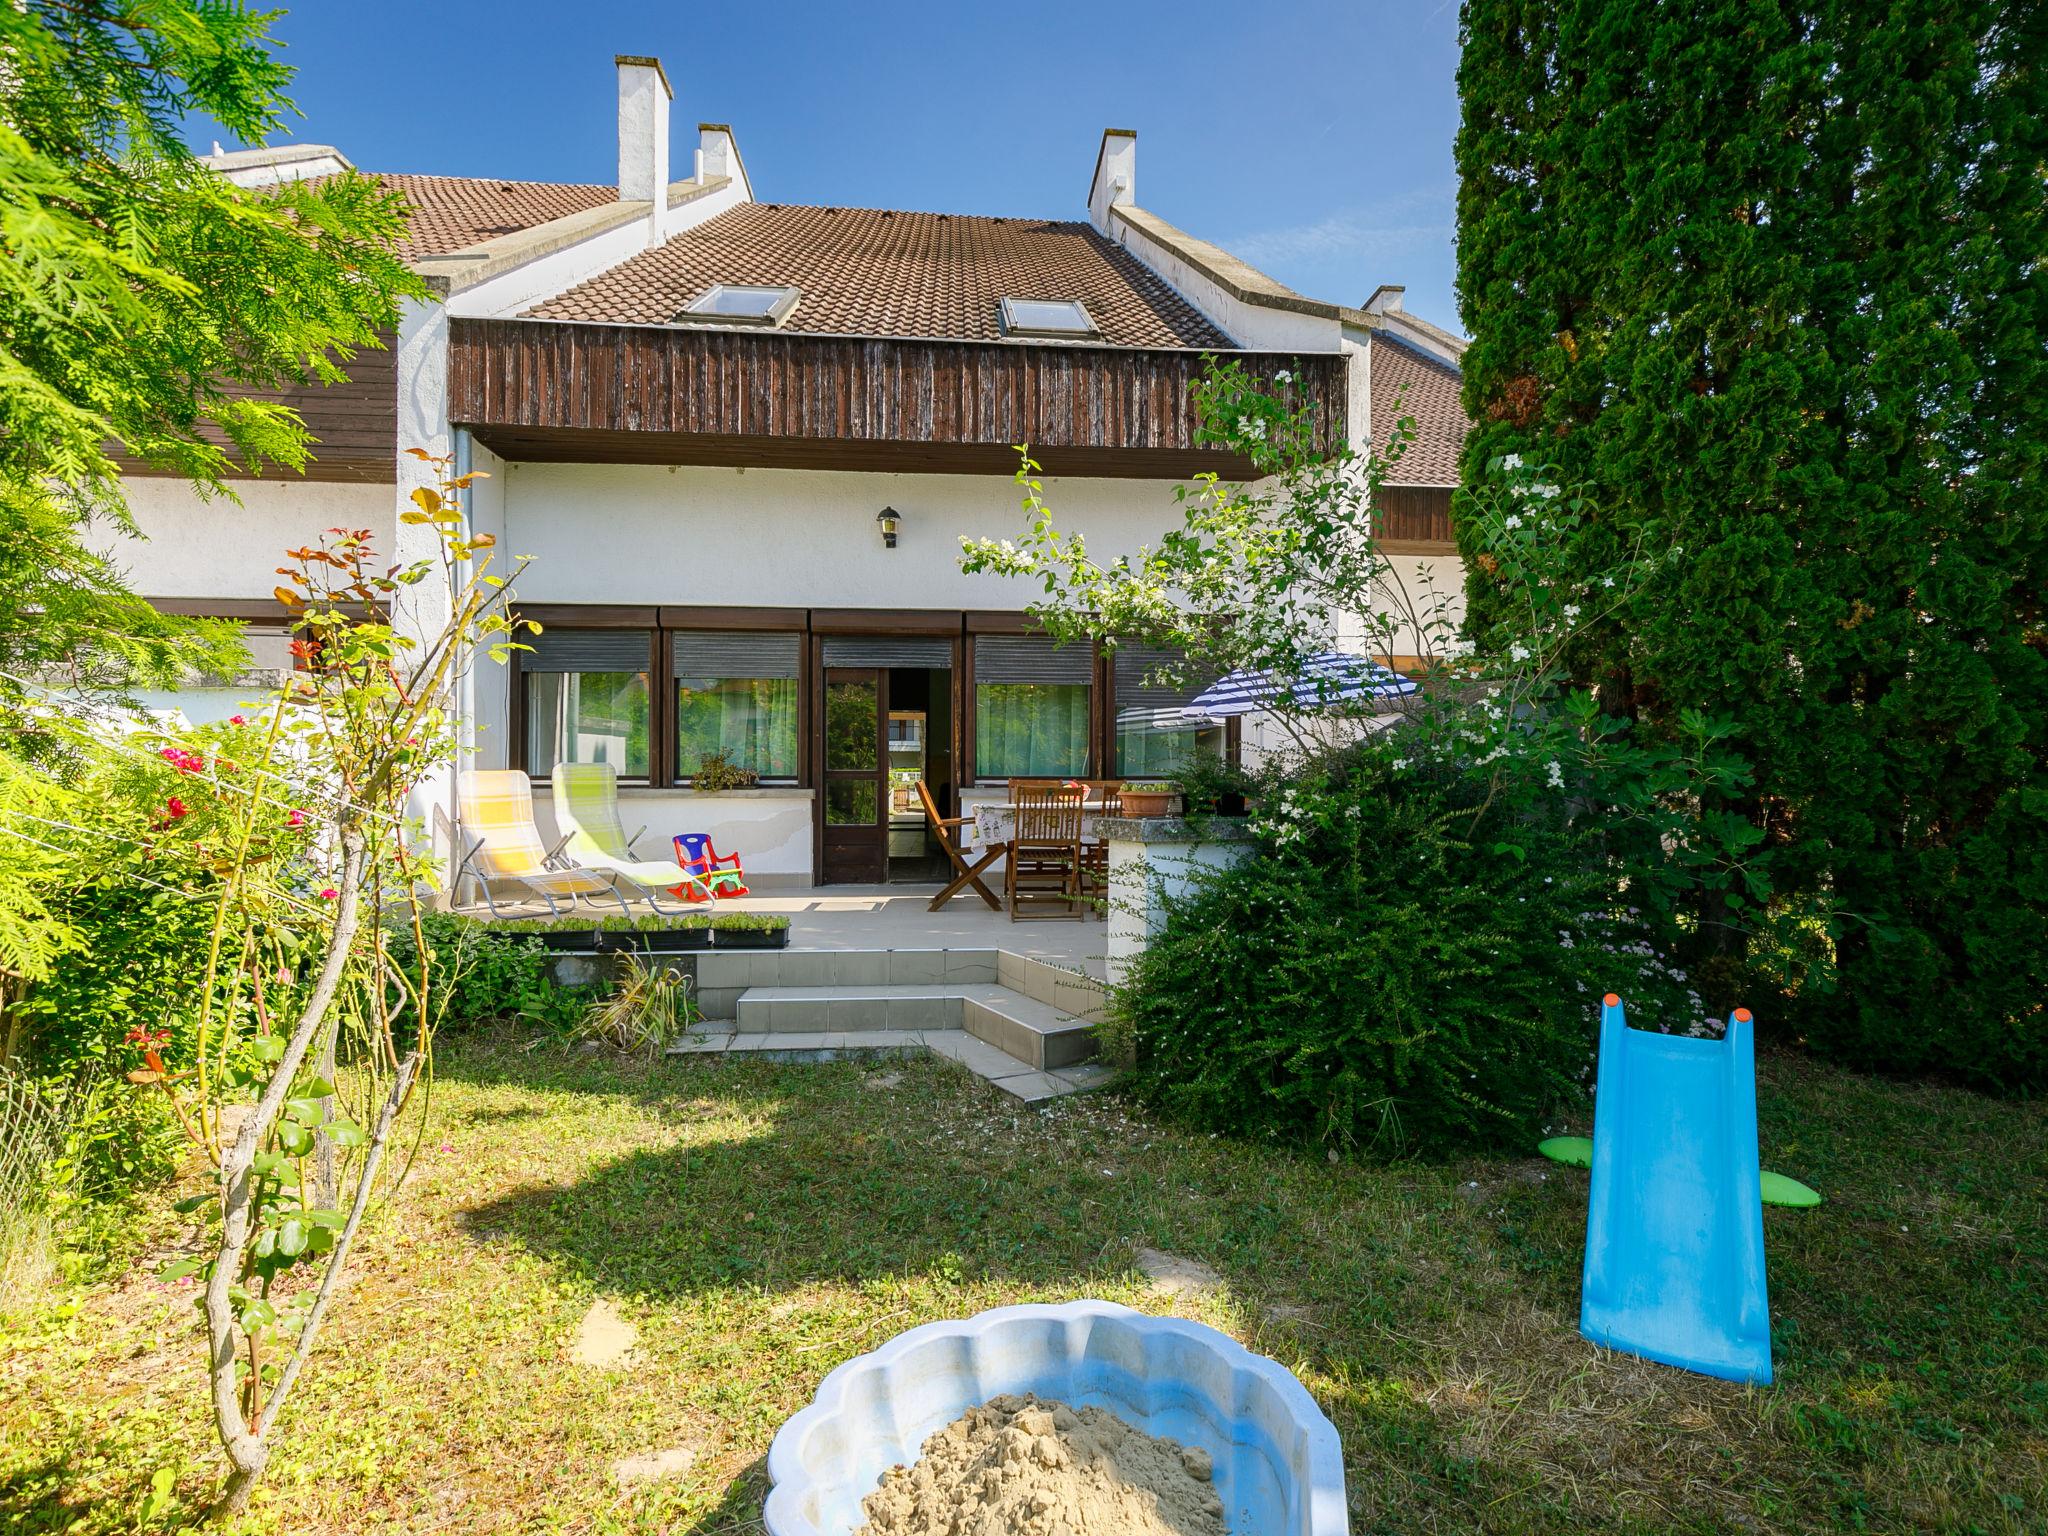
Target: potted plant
1158,799
690,931
749,930
717,772
561,935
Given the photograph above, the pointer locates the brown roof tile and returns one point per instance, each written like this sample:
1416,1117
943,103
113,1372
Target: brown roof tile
1409,383
452,213
871,272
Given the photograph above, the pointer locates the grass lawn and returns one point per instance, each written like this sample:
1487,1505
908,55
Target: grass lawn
757,1225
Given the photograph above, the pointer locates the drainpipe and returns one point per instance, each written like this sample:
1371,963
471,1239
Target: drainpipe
465,680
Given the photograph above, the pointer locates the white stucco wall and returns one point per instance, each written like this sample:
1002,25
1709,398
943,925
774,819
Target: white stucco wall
1429,585
770,829
193,547
603,533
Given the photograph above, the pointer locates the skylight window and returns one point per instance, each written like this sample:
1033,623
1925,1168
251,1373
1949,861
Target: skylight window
1047,317
739,304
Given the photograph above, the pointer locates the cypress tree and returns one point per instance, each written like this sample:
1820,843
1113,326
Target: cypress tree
1772,279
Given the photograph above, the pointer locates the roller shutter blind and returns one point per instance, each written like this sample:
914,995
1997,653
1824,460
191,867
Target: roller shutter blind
586,650
909,651
1031,659
708,653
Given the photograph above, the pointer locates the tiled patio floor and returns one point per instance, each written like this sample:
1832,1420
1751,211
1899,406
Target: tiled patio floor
895,917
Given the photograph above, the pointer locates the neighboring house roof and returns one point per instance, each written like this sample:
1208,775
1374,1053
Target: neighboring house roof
452,213
1410,383
877,272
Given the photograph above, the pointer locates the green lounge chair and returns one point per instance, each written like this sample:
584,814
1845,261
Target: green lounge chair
587,808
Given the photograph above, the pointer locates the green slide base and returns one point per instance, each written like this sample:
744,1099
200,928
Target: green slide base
1779,1190
1572,1151
1577,1152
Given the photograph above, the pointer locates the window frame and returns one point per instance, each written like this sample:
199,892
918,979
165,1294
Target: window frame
665,644
787,297
518,755
660,622
1013,326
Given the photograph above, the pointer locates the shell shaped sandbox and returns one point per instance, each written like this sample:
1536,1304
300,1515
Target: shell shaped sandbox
1278,1465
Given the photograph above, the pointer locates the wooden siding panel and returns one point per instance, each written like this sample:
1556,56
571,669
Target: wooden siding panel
1414,516
601,389
354,423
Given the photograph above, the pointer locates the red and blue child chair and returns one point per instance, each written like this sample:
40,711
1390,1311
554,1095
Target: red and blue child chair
711,874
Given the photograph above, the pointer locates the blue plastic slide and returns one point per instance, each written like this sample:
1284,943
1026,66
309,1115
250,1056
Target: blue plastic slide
1675,1230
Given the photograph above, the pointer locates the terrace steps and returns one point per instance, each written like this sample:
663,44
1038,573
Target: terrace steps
1023,1024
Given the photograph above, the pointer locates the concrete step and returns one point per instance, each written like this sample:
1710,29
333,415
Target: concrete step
1033,1032
1016,1078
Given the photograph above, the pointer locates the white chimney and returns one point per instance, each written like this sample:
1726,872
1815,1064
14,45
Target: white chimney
718,155
1385,300
1116,175
644,97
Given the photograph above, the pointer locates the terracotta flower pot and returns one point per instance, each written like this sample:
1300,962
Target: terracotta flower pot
1148,802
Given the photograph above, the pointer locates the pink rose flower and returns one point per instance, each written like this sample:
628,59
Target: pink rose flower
330,894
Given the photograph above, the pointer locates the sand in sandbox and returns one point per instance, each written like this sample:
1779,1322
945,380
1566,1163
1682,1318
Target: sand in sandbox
1027,1466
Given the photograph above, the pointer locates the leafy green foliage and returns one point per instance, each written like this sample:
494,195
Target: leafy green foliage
1406,965
749,922
142,299
1253,576
484,972
651,1009
717,771
1771,283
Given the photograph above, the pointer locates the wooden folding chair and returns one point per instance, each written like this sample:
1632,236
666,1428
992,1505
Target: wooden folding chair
947,830
1095,851
1045,851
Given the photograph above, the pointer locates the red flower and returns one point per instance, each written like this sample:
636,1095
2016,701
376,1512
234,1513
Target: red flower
330,894
296,819
175,806
183,761
236,720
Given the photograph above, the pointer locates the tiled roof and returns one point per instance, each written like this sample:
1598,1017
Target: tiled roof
871,272
452,213
1406,382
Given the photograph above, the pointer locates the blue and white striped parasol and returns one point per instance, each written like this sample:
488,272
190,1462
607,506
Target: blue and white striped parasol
1330,678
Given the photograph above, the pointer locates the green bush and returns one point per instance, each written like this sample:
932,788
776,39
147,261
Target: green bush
481,973
1405,967
1770,280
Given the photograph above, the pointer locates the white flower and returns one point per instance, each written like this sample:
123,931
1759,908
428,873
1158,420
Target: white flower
1514,521
1571,613
1283,377
1512,461
1607,581
1518,653
1555,774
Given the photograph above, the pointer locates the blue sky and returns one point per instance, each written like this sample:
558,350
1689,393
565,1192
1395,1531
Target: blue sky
1313,139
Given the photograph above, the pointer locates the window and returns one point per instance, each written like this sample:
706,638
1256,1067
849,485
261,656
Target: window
1155,737
1046,317
740,304
1030,707
736,694
587,700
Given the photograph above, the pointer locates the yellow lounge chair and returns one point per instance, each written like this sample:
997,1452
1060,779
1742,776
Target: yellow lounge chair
505,847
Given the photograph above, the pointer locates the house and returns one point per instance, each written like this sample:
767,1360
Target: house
742,440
